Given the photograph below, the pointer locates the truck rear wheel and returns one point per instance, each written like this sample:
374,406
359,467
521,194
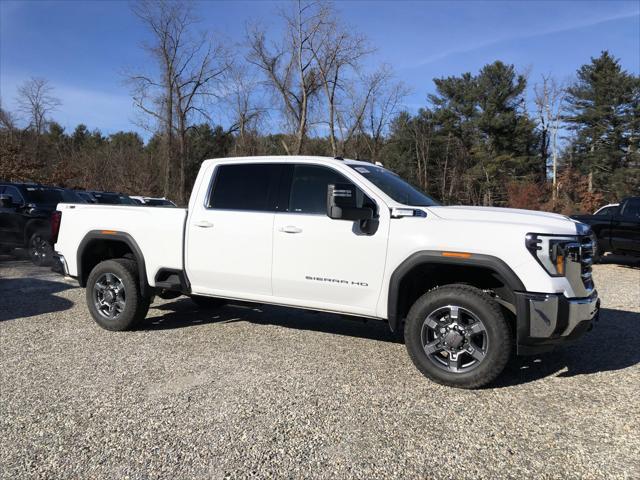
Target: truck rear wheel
113,295
457,336
40,249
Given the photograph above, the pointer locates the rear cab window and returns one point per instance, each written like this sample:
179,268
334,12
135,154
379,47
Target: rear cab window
246,187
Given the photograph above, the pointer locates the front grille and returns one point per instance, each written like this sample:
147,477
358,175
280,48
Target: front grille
587,251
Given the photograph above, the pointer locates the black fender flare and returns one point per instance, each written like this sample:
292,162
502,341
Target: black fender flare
123,237
436,257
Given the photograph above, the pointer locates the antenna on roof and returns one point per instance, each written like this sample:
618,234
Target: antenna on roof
338,158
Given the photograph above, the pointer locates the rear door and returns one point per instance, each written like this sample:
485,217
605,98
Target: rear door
229,235
625,227
323,263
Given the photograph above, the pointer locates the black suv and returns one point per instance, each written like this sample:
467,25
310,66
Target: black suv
25,215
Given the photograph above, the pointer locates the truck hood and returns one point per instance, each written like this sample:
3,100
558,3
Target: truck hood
542,222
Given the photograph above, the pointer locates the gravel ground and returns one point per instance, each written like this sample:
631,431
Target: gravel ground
273,392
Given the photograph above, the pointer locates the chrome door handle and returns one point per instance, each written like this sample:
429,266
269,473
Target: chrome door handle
203,224
290,229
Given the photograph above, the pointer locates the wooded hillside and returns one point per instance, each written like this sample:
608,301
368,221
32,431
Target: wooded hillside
490,137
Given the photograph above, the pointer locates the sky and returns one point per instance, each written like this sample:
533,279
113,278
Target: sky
84,47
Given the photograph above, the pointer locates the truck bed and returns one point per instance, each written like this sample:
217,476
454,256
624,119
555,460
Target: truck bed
157,231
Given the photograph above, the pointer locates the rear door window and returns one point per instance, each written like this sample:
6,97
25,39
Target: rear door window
248,187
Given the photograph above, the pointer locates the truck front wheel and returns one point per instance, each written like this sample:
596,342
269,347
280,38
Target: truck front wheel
457,336
113,295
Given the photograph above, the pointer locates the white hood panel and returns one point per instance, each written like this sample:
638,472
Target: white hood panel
542,222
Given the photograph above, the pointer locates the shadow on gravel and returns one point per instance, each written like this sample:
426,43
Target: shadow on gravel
183,313
27,297
611,345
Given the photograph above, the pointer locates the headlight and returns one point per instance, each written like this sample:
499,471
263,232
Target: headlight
553,251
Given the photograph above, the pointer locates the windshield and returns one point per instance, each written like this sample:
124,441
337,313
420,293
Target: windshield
394,186
606,211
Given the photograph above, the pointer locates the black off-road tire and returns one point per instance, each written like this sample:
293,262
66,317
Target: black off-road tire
40,248
136,305
486,309
207,303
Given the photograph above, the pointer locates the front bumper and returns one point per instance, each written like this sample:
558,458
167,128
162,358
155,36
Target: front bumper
548,320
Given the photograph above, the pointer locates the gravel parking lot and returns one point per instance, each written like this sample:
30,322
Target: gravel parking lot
273,392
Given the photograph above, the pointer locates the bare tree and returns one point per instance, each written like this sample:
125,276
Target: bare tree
7,120
289,66
188,68
549,101
337,53
196,85
240,98
35,100
385,99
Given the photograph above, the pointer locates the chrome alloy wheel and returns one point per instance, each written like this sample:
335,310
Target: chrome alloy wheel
454,339
109,296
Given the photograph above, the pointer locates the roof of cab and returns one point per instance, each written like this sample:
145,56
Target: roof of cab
288,159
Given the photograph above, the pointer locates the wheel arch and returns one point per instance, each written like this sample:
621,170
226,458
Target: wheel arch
428,269
100,245
34,225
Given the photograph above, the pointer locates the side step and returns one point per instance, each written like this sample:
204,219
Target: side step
173,280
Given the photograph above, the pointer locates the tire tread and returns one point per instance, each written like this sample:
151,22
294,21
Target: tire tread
141,304
475,378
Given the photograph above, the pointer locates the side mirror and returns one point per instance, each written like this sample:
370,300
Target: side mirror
6,201
342,203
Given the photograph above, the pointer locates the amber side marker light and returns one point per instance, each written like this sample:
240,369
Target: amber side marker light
456,254
108,232
560,264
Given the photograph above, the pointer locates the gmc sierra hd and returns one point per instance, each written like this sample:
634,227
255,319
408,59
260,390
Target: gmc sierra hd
466,285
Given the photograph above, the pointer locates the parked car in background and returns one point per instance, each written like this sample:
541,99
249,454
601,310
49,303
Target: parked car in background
153,202
112,198
25,214
616,227
607,209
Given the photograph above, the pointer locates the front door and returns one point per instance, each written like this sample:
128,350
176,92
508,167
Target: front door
230,236
323,263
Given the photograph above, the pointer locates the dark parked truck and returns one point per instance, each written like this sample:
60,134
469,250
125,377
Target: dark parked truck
25,217
617,229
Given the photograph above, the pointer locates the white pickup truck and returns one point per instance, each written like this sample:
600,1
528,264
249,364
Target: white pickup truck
466,285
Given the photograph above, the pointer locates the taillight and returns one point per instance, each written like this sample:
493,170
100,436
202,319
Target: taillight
56,217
